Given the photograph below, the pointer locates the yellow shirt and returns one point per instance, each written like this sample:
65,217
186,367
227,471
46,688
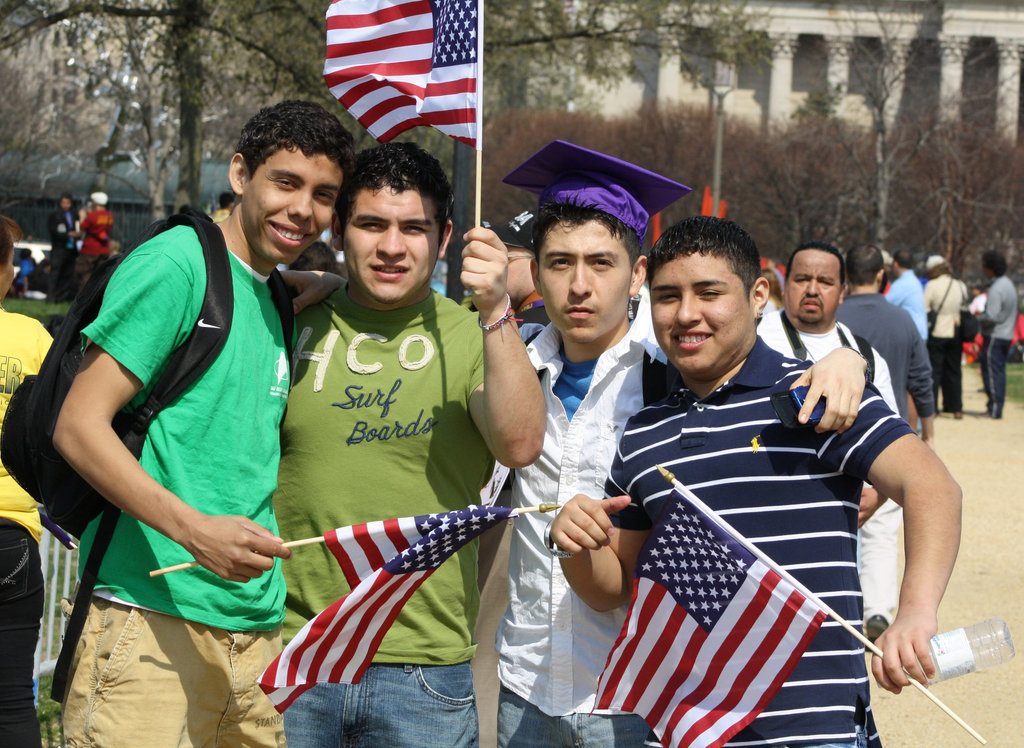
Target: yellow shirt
23,344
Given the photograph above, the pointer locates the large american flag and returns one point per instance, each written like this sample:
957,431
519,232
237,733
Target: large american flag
396,64
711,634
384,563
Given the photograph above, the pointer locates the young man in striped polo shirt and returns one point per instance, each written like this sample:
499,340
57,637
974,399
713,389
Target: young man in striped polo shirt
792,491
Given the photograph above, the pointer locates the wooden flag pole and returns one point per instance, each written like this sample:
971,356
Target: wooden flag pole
320,539
479,182
693,499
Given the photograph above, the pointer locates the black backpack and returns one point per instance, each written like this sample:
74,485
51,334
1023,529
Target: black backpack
26,441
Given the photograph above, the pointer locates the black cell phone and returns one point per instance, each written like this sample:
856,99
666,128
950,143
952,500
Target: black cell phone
787,406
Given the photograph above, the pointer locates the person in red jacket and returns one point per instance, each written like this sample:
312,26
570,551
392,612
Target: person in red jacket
95,229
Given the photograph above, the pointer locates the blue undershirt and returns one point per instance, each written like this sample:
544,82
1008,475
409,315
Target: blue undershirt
573,383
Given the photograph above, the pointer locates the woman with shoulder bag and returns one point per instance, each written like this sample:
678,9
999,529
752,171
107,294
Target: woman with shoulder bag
944,296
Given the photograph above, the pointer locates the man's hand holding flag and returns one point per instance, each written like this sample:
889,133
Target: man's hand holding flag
384,562
711,634
714,625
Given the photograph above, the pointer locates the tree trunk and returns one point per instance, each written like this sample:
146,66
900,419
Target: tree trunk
188,58
883,178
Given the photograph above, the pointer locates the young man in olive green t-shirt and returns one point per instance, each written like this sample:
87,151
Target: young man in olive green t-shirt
401,402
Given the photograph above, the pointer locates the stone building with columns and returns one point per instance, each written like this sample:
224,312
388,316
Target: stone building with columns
862,60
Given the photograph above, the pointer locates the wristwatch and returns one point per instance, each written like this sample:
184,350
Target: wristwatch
553,549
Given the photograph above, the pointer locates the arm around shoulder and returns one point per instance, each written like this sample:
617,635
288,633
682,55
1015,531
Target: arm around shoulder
839,378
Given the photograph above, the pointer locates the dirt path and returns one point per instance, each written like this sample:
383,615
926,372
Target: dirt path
986,458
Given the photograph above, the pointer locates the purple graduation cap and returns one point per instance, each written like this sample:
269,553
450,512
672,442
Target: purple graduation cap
563,172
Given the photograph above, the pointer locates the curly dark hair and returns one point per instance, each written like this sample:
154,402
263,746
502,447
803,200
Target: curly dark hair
399,167
707,235
295,125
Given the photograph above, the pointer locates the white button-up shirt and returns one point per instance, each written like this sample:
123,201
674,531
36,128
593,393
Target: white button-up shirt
552,646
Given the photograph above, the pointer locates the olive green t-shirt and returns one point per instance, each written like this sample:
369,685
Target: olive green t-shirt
378,427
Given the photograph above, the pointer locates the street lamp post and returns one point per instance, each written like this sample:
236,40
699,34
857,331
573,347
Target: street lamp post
720,88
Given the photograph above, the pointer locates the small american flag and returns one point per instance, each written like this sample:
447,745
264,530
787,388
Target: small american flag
397,64
385,563
711,635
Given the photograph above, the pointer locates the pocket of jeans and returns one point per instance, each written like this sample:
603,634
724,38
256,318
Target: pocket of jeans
448,684
117,646
14,569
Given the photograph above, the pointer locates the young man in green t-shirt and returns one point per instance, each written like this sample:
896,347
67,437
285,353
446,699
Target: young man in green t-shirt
401,402
174,661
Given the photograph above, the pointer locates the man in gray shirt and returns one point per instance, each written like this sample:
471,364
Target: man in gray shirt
997,322
892,332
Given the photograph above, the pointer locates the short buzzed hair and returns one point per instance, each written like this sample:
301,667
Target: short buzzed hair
903,257
706,235
995,262
821,247
863,262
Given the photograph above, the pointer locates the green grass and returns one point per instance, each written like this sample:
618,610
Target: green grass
49,715
40,310
1015,382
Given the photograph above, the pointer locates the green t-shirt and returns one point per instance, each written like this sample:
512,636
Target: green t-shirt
217,447
378,427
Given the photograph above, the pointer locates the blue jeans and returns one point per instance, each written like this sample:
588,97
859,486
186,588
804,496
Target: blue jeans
994,352
393,705
523,725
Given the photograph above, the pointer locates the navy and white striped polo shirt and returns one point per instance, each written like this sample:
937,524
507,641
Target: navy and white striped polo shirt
792,492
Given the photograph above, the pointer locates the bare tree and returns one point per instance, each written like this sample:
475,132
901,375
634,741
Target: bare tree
216,51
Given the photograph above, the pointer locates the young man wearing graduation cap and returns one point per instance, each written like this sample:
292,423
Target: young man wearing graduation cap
588,233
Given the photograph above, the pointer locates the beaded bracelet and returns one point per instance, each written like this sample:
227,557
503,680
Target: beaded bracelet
504,318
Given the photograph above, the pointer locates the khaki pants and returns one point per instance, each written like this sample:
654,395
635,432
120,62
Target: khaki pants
144,678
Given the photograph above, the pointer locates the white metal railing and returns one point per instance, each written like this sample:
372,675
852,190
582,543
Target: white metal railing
59,578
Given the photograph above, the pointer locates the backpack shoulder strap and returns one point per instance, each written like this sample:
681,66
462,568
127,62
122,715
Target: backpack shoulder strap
283,302
657,379
869,355
795,342
204,343
83,596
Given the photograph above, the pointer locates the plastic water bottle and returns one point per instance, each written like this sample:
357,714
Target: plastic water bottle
971,648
